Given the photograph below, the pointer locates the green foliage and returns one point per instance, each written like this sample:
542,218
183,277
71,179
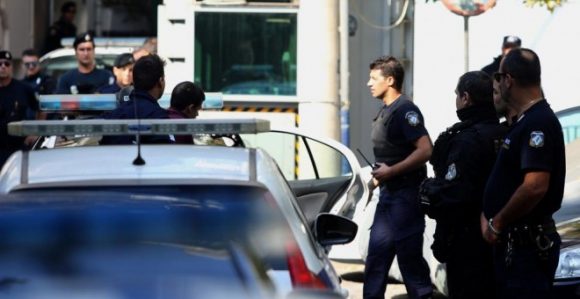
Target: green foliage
550,4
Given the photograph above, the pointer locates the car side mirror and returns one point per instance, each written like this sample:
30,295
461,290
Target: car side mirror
332,229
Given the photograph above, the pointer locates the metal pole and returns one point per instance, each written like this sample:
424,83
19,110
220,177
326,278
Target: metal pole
466,41
344,72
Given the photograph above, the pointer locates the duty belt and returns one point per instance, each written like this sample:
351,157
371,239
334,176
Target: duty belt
532,235
406,180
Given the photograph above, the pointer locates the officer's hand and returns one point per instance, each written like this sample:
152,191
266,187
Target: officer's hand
382,173
488,235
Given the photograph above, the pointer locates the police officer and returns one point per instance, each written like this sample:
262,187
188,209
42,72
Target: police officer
401,147
462,159
86,78
526,185
33,76
16,101
509,42
64,27
123,71
149,83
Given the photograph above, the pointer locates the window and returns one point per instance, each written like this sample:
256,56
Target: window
246,53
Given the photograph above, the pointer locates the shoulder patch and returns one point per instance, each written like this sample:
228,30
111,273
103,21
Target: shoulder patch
412,118
111,80
451,172
537,139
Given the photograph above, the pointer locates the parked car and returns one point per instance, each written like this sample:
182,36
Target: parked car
99,168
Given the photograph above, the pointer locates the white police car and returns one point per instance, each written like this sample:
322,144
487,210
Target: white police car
102,167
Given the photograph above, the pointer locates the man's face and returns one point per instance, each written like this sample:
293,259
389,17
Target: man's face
124,75
460,100
85,53
379,84
501,92
192,111
69,14
31,65
5,69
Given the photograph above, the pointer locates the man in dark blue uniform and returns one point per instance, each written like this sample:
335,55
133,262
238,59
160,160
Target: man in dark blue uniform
526,185
33,76
401,147
16,101
123,71
86,78
462,159
149,82
64,27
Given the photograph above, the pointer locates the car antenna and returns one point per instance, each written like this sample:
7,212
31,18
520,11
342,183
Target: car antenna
138,160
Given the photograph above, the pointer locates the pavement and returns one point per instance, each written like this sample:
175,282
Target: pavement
352,279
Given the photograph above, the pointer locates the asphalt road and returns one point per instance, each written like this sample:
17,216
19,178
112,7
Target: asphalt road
352,279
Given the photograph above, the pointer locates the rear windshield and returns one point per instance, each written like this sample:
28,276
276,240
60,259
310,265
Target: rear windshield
144,234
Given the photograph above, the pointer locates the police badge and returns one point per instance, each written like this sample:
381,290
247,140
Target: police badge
537,139
412,118
451,172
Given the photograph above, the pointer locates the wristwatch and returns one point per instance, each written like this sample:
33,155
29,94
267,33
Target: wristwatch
491,228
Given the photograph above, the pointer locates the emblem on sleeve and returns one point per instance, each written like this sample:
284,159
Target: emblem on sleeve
412,118
537,139
451,172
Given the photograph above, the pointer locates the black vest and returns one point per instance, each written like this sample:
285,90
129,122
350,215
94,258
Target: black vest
385,149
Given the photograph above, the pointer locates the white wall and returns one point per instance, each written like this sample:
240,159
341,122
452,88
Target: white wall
439,52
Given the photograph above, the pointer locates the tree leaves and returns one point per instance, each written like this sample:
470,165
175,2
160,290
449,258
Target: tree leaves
550,4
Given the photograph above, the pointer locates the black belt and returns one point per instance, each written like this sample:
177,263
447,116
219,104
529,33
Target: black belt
528,233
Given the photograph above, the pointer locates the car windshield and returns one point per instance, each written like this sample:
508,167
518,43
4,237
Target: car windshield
132,241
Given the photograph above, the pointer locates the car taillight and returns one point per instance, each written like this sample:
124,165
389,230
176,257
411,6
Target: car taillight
299,273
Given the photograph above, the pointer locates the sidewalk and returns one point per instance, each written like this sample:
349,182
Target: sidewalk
352,279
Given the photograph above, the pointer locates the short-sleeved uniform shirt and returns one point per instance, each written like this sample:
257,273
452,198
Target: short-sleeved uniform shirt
400,124
75,82
17,101
534,143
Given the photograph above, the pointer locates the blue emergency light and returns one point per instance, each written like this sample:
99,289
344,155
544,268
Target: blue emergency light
105,102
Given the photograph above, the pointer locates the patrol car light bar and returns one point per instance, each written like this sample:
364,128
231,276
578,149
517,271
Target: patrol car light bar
101,127
104,102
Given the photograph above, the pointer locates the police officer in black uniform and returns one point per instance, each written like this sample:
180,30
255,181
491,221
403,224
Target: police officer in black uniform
64,27
526,185
401,147
86,78
149,83
462,159
33,76
16,101
509,42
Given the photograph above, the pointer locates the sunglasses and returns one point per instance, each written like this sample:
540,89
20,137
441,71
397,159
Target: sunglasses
497,76
31,64
5,63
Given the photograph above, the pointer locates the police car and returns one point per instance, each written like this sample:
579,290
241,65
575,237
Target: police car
100,168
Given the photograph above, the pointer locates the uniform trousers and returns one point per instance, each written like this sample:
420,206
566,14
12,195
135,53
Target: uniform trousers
397,230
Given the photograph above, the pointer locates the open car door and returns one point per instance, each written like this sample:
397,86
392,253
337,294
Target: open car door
323,173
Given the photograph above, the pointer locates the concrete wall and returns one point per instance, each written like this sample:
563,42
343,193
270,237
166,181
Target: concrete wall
439,51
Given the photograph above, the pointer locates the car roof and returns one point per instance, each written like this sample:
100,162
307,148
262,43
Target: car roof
112,165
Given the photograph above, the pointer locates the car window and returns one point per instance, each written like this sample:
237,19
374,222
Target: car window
300,158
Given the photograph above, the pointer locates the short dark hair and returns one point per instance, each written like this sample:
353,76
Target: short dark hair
147,72
185,94
30,52
67,5
479,86
390,66
524,66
